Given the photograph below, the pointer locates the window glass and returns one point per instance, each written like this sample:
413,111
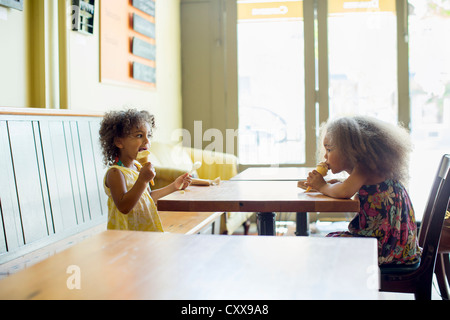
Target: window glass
271,82
429,63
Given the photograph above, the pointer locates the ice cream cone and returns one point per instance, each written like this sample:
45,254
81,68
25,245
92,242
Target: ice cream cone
321,168
143,158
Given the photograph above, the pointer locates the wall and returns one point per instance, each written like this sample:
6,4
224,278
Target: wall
209,59
13,58
29,47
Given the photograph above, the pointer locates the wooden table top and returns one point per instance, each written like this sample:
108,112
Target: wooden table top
189,222
146,265
254,196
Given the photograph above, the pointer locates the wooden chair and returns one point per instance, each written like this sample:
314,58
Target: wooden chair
418,279
446,258
442,269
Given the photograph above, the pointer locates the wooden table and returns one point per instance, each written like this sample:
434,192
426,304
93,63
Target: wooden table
146,265
264,197
190,222
283,174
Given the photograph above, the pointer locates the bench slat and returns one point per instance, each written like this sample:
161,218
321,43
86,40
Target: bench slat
58,175
29,189
89,170
13,237
76,171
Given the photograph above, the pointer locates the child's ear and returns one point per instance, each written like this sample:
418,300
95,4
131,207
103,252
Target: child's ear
118,142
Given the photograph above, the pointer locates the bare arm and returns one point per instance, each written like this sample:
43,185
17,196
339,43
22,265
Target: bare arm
123,199
182,182
344,189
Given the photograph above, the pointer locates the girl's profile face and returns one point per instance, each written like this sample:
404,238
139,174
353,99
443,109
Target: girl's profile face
137,140
334,159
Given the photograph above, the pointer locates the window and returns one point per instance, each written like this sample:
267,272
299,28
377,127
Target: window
362,58
384,58
274,126
271,82
429,83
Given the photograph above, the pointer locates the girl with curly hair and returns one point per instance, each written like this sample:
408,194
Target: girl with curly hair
131,202
375,154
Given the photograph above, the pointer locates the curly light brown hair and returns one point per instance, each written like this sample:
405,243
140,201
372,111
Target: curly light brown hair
375,145
119,124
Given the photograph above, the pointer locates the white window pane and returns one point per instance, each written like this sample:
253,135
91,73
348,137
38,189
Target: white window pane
429,27
271,82
363,59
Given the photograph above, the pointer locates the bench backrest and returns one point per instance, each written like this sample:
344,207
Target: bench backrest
51,176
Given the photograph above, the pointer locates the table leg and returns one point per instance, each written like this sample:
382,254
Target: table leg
266,223
302,225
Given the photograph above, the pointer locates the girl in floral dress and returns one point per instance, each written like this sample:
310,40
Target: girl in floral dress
375,154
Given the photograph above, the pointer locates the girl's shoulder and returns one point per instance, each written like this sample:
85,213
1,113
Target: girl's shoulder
114,169
117,173
124,169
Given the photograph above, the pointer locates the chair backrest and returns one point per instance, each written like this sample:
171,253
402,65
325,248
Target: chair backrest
433,219
431,200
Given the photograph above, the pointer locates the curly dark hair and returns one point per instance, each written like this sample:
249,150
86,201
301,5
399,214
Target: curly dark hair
119,124
376,145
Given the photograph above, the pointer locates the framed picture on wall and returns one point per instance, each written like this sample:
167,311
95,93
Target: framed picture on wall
128,43
83,16
16,4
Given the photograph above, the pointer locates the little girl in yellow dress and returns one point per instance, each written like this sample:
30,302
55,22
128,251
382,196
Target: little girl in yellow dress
131,202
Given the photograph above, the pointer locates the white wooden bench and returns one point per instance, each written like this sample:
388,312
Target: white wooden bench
51,186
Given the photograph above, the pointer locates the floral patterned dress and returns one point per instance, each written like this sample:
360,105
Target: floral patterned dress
386,213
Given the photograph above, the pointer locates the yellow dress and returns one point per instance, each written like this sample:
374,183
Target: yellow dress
143,217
